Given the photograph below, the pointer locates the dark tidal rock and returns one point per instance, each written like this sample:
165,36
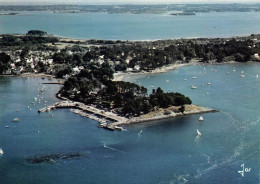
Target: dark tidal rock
54,157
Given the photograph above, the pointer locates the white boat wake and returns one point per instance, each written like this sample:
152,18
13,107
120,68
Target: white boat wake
215,165
105,146
208,157
197,139
232,118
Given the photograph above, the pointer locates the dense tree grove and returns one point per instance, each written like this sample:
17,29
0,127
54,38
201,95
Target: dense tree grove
29,41
4,62
151,55
36,33
128,99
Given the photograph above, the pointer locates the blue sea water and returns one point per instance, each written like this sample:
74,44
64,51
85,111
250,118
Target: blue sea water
132,26
165,152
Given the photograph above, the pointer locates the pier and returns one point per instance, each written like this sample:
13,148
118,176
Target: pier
81,109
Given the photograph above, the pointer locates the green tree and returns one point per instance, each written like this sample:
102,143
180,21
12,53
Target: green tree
4,62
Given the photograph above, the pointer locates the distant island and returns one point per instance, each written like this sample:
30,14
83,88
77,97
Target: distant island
184,13
137,9
9,14
89,68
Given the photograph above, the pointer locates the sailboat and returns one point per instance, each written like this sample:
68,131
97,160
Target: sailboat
201,118
1,151
199,134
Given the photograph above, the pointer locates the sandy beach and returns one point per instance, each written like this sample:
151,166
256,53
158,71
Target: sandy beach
121,76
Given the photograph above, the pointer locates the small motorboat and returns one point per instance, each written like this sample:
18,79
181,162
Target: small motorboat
1,151
193,87
16,120
201,118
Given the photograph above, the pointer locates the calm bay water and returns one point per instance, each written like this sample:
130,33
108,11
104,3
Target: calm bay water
166,151
133,27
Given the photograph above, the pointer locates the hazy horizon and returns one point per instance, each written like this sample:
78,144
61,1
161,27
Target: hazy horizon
115,2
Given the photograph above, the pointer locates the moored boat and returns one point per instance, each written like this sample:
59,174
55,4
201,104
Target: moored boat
1,151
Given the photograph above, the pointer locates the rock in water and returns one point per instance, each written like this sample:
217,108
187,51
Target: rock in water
53,157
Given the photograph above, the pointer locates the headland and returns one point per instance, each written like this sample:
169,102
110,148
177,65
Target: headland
93,71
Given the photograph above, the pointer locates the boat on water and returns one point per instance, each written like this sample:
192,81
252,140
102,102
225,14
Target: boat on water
1,151
256,76
242,76
199,134
209,83
139,134
16,120
193,87
194,77
201,118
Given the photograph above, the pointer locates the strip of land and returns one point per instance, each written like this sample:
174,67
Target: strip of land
116,121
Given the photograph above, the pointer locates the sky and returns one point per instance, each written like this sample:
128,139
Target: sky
39,2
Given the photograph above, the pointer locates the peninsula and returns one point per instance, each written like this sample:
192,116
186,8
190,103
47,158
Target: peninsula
89,66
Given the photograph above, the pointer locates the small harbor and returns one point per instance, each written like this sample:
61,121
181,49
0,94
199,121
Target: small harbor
90,112
116,121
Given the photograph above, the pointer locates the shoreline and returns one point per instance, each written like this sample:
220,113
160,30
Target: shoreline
65,38
159,115
103,117
121,76
31,75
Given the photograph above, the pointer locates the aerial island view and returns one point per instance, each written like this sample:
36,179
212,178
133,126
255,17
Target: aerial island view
129,92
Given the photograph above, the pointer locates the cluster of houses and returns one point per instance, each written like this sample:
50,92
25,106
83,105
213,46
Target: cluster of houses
29,62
